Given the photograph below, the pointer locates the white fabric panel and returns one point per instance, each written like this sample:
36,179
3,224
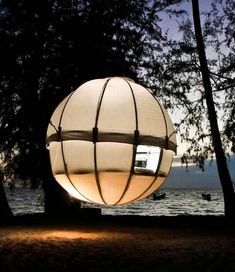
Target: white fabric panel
117,112
114,157
66,184
112,185
80,112
86,185
137,186
57,164
79,156
150,119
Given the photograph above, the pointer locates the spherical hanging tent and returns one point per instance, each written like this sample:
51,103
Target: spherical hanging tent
111,142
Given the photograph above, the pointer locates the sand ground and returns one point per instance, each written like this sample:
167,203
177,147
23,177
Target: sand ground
120,244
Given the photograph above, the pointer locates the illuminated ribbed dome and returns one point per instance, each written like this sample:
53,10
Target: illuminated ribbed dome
110,142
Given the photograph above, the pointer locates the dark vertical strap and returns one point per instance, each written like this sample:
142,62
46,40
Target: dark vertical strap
100,101
95,137
135,144
97,175
136,137
166,142
159,162
95,134
135,105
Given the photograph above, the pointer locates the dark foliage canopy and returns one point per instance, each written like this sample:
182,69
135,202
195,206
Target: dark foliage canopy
49,48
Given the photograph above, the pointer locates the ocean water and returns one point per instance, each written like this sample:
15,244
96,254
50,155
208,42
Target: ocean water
25,200
177,202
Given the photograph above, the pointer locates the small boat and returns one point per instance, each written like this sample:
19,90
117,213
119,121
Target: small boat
206,196
158,196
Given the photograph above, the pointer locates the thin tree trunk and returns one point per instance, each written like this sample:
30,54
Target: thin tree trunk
57,201
225,179
5,211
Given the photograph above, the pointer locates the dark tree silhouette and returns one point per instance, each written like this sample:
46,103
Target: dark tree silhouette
5,211
226,182
49,48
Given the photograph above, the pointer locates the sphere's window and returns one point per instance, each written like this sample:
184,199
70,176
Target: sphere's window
147,159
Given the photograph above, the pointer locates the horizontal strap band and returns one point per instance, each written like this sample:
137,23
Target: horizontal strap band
112,137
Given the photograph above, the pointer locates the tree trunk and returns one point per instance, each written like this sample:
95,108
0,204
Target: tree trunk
57,201
5,211
225,179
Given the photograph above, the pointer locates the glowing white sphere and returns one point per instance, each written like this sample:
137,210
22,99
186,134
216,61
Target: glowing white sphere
110,142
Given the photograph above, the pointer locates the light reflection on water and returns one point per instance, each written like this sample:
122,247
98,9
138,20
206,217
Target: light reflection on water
177,202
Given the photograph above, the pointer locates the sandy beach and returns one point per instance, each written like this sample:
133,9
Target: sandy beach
36,243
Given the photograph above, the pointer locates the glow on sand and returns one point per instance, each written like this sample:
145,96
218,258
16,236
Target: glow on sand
60,234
